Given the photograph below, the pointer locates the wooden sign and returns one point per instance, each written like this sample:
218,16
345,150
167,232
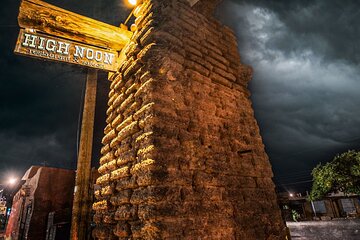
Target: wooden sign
55,21
56,34
56,49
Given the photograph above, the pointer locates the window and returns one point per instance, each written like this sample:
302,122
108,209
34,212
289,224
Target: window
319,207
348,205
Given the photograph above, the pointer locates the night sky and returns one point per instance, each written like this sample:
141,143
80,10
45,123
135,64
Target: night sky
305,90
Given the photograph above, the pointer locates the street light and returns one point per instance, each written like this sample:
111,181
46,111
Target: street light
4,199
12,181
9,182
133,2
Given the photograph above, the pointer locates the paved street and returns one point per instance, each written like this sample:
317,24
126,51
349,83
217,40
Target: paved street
325,230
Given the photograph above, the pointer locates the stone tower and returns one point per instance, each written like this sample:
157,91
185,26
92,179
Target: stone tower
183,157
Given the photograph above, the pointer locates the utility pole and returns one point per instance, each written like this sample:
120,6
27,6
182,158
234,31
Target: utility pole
312,204
82,196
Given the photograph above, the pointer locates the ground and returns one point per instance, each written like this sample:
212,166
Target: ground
344,229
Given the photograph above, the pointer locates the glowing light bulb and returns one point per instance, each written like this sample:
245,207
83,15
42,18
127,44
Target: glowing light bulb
133,27
133,2
12,181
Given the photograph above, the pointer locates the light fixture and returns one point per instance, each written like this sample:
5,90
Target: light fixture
291,194
12,181
133,2
136,4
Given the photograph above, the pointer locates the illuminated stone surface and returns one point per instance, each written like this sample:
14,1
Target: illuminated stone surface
183,157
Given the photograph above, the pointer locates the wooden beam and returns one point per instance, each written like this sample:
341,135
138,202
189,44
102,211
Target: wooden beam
82,196
46,18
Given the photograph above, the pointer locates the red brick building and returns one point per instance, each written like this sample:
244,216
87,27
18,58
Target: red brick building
42,207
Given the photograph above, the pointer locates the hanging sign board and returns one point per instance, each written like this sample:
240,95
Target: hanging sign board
56,49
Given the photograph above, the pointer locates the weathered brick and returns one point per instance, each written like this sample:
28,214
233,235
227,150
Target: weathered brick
183,157
151,194
125,213
126,183
128,131
219,79
120,173
122,229
120,198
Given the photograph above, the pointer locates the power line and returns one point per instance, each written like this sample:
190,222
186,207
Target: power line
293,175
303,171
295,183
291,180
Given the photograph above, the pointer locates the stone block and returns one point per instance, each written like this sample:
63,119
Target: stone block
183,157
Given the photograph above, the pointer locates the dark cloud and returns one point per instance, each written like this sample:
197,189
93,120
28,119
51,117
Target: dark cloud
305,56
326,27
305,88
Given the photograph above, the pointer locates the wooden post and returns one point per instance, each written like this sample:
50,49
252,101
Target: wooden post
82,196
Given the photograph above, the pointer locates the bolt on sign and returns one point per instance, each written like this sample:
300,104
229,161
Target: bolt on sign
51,33
52,48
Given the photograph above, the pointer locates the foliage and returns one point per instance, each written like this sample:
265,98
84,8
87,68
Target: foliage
295,215
341,174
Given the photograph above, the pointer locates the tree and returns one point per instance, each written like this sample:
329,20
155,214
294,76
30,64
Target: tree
341,174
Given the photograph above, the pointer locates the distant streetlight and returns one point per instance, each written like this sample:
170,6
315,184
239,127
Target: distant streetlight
9,182
12,181
291,194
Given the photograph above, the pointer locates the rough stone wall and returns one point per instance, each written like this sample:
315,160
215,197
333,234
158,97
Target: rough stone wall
182,155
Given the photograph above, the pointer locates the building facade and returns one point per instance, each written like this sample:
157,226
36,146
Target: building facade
41,209
330,207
